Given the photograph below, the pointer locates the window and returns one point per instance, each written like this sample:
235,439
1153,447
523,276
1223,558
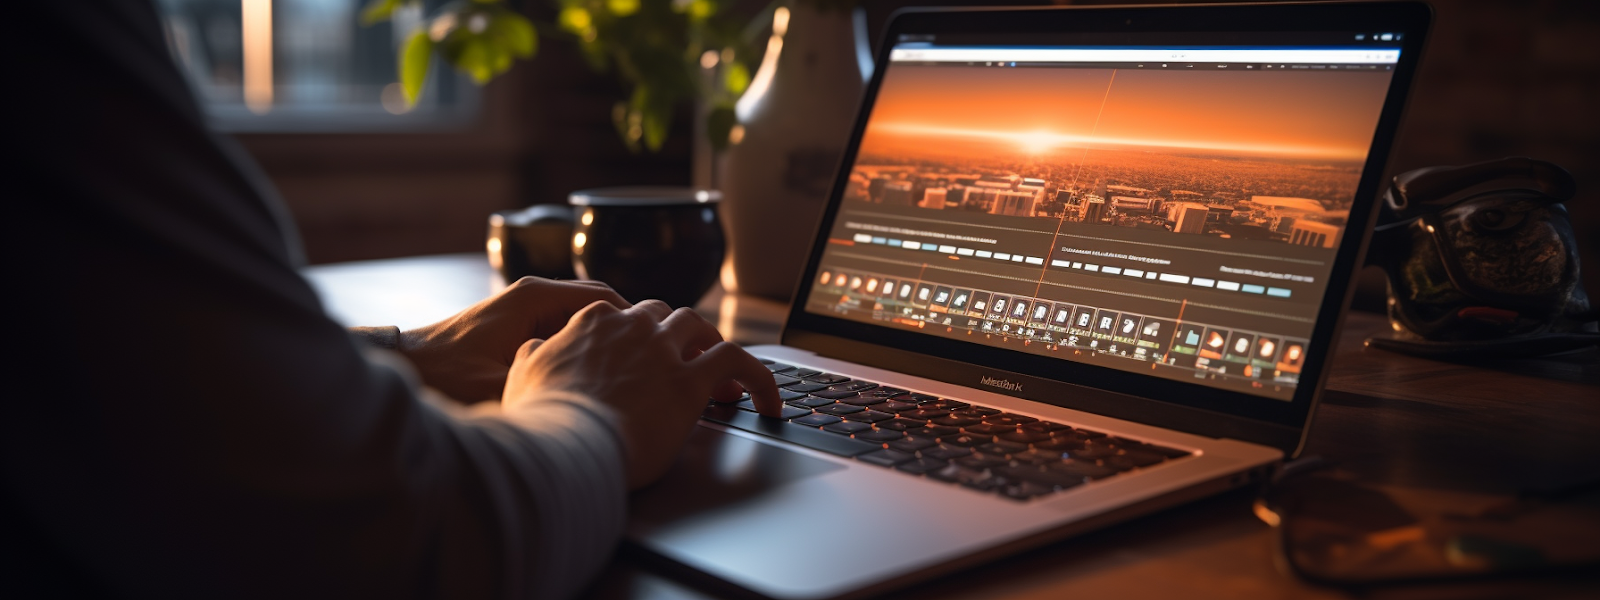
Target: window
306,66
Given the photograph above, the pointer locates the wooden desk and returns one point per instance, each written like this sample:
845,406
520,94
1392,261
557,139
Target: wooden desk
1453,434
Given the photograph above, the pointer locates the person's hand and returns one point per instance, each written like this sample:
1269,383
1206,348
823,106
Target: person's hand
654,367
466,356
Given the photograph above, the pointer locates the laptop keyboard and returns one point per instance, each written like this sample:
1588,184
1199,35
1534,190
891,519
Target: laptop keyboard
979,447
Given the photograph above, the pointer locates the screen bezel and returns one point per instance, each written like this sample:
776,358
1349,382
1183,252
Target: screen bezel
832,336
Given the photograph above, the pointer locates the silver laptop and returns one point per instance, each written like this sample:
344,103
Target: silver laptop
1077,265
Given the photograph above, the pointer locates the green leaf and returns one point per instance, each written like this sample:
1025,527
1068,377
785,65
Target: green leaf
415,59
700,10
651,116
477,59
619,119
736,77
379,10
514,32
575,19
622,8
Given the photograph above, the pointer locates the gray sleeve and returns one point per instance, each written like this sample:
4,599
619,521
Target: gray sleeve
387,337
560,453
182,419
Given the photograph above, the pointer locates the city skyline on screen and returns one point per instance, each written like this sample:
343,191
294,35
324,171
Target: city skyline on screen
1268,156
1295,114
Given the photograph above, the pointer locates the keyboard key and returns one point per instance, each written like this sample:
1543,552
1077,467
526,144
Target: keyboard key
1045,426
1089,433
955,473
864,401
847,427
804,372
886,458
854,386
902,425
787,431
894,406
1080,468
1025,490
1002,448
793,412
1037,457
986,483
946,452
1059,444
922,414
1041,475
938,431
922,465
880,435
868,416
834,394
923,398
978,411
816,420
885,393
987,429
1093,452
749,405
891,391
783,380
812,402
788,395
839,409
778,367
980,462
963,440
827,378
912,443
946,404
954,421
1009,419
805,387
1023,436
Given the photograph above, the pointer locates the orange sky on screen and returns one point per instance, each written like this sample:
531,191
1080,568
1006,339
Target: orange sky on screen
1321,114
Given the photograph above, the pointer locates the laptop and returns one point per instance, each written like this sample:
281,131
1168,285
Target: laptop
1077,265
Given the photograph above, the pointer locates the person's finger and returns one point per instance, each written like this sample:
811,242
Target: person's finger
686,329
727,392
593,310
657,309
528,347
726,361
604,289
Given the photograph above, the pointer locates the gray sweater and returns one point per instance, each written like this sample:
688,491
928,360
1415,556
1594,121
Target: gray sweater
182,420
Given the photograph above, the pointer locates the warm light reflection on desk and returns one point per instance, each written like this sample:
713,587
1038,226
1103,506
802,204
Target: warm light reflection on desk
416,291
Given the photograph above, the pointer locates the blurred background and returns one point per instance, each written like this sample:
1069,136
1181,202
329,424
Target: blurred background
367,177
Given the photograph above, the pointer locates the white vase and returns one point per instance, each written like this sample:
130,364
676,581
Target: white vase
775,180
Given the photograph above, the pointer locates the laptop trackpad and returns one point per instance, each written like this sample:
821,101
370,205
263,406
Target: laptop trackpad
718,469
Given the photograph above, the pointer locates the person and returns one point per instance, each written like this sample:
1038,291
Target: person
183,419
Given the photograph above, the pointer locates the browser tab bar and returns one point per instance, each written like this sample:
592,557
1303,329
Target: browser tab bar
1361,56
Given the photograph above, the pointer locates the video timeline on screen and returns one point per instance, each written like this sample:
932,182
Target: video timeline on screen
1262,362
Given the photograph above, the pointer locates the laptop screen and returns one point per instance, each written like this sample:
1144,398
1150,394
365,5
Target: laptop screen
1169,210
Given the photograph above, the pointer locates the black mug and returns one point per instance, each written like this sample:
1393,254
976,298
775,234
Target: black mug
649,242
534,241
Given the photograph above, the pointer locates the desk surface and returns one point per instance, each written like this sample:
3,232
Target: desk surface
1456,434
